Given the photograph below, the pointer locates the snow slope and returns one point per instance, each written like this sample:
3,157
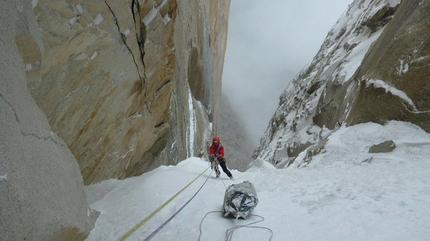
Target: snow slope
345,193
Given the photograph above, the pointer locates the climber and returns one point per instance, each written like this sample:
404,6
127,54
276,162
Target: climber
216,156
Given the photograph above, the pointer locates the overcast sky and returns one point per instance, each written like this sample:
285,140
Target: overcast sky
269,42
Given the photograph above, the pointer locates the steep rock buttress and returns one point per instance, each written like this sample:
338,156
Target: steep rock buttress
129,85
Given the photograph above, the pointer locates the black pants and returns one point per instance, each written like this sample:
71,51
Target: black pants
224,167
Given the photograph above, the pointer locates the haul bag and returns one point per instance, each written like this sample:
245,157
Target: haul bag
240,200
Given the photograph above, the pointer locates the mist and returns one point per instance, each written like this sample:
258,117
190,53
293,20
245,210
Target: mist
268,44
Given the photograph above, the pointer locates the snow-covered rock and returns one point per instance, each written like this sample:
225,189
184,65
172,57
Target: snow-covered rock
372,67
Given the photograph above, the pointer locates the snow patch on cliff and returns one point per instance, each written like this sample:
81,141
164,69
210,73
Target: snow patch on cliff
192,128
98,19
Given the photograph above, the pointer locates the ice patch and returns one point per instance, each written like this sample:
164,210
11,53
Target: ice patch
28,67
94,55
404,67
150,16
34,3
394,3
80,8
127,32
73,20
166,18
3,177
173,145
99,19
192,128
391,89
162,4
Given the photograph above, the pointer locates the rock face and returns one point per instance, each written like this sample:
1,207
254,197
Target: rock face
42,195
386,146
374,66
238,148
128,85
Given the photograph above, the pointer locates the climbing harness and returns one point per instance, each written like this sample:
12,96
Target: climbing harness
131,231
214,166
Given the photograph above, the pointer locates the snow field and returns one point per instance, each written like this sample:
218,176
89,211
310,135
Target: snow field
338,196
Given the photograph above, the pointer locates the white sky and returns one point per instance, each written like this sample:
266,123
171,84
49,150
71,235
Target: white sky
338,196
269,42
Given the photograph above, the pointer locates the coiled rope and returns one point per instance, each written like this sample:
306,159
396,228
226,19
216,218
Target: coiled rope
131,231
229,232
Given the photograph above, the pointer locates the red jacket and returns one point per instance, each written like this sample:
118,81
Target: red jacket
220,153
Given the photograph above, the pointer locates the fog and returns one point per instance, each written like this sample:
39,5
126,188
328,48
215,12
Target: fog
269,42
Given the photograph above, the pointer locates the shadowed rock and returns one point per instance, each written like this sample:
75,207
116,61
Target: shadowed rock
41,188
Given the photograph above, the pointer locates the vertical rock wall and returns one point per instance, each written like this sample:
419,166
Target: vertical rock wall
129,85
42,196
400,61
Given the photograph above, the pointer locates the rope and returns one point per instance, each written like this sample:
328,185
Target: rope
131,231
168,220
289,228
224,184
229,232
201,222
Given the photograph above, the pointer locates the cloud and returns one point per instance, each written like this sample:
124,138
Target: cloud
269,42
